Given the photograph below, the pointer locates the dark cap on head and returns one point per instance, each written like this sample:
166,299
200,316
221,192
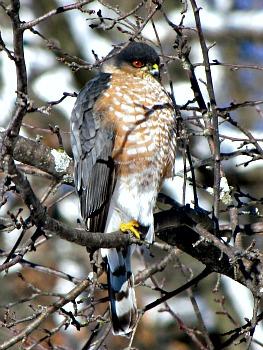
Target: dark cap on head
138,51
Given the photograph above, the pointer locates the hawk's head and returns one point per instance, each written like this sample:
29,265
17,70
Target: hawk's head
137,59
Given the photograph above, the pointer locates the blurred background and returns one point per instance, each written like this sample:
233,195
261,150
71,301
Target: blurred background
236,28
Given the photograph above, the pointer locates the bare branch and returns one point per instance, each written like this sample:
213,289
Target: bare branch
75,6
47,311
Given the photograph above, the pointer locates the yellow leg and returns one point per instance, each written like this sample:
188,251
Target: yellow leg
130,226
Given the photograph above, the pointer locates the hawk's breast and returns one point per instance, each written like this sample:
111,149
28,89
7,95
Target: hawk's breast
143,118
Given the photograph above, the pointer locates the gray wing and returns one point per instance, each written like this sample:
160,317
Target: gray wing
92,144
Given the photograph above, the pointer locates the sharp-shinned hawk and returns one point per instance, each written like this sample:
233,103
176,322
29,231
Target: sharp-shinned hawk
123,141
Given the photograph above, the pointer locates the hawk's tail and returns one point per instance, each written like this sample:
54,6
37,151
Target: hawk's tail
121,292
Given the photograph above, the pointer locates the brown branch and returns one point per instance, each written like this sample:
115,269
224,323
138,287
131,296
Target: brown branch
36,154
233,106
47,311
60,9
232,66
210,90
189,231
44,269
18,47
226,116
160,266
10,137
179,290
5,49
238,331
91,240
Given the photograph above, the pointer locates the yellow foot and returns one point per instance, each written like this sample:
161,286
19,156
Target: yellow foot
130,226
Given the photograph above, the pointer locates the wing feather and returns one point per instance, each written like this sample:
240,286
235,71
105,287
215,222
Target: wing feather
92,144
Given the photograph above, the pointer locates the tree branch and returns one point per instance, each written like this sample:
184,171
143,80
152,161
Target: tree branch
60,9
36,154
47,311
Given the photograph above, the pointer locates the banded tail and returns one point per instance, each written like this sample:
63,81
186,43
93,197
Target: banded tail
121,289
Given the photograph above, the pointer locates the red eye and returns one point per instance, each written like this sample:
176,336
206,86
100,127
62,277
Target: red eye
138,64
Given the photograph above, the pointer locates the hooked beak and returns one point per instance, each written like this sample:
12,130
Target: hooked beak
154,70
